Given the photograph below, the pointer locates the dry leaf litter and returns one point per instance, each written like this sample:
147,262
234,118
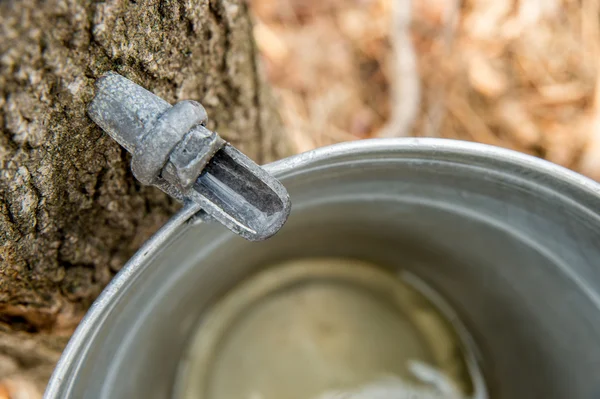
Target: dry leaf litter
516,74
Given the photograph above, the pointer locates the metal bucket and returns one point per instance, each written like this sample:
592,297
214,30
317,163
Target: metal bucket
511,243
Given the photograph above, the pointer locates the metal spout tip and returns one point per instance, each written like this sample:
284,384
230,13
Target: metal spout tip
173,150
241,195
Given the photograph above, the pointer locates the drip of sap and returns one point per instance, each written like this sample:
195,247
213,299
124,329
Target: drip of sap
325,329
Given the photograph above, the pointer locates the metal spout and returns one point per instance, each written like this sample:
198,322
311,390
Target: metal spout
174,151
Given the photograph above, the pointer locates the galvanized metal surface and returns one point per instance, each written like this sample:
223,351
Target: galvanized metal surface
174,151
510,241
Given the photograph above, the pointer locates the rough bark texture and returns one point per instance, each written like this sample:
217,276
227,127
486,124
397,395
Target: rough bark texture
71,213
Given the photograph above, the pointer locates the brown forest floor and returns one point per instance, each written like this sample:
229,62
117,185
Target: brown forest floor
520,74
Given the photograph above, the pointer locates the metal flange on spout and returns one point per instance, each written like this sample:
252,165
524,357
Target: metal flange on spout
174,151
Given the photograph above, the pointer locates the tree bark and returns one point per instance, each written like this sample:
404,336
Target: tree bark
71,213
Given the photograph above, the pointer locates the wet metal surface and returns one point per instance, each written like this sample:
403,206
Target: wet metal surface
307,327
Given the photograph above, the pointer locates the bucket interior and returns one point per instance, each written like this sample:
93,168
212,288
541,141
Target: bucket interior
517,260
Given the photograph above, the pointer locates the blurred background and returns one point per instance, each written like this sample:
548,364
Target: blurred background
520,74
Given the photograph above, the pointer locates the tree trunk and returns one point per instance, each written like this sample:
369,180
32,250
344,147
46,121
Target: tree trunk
71,213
